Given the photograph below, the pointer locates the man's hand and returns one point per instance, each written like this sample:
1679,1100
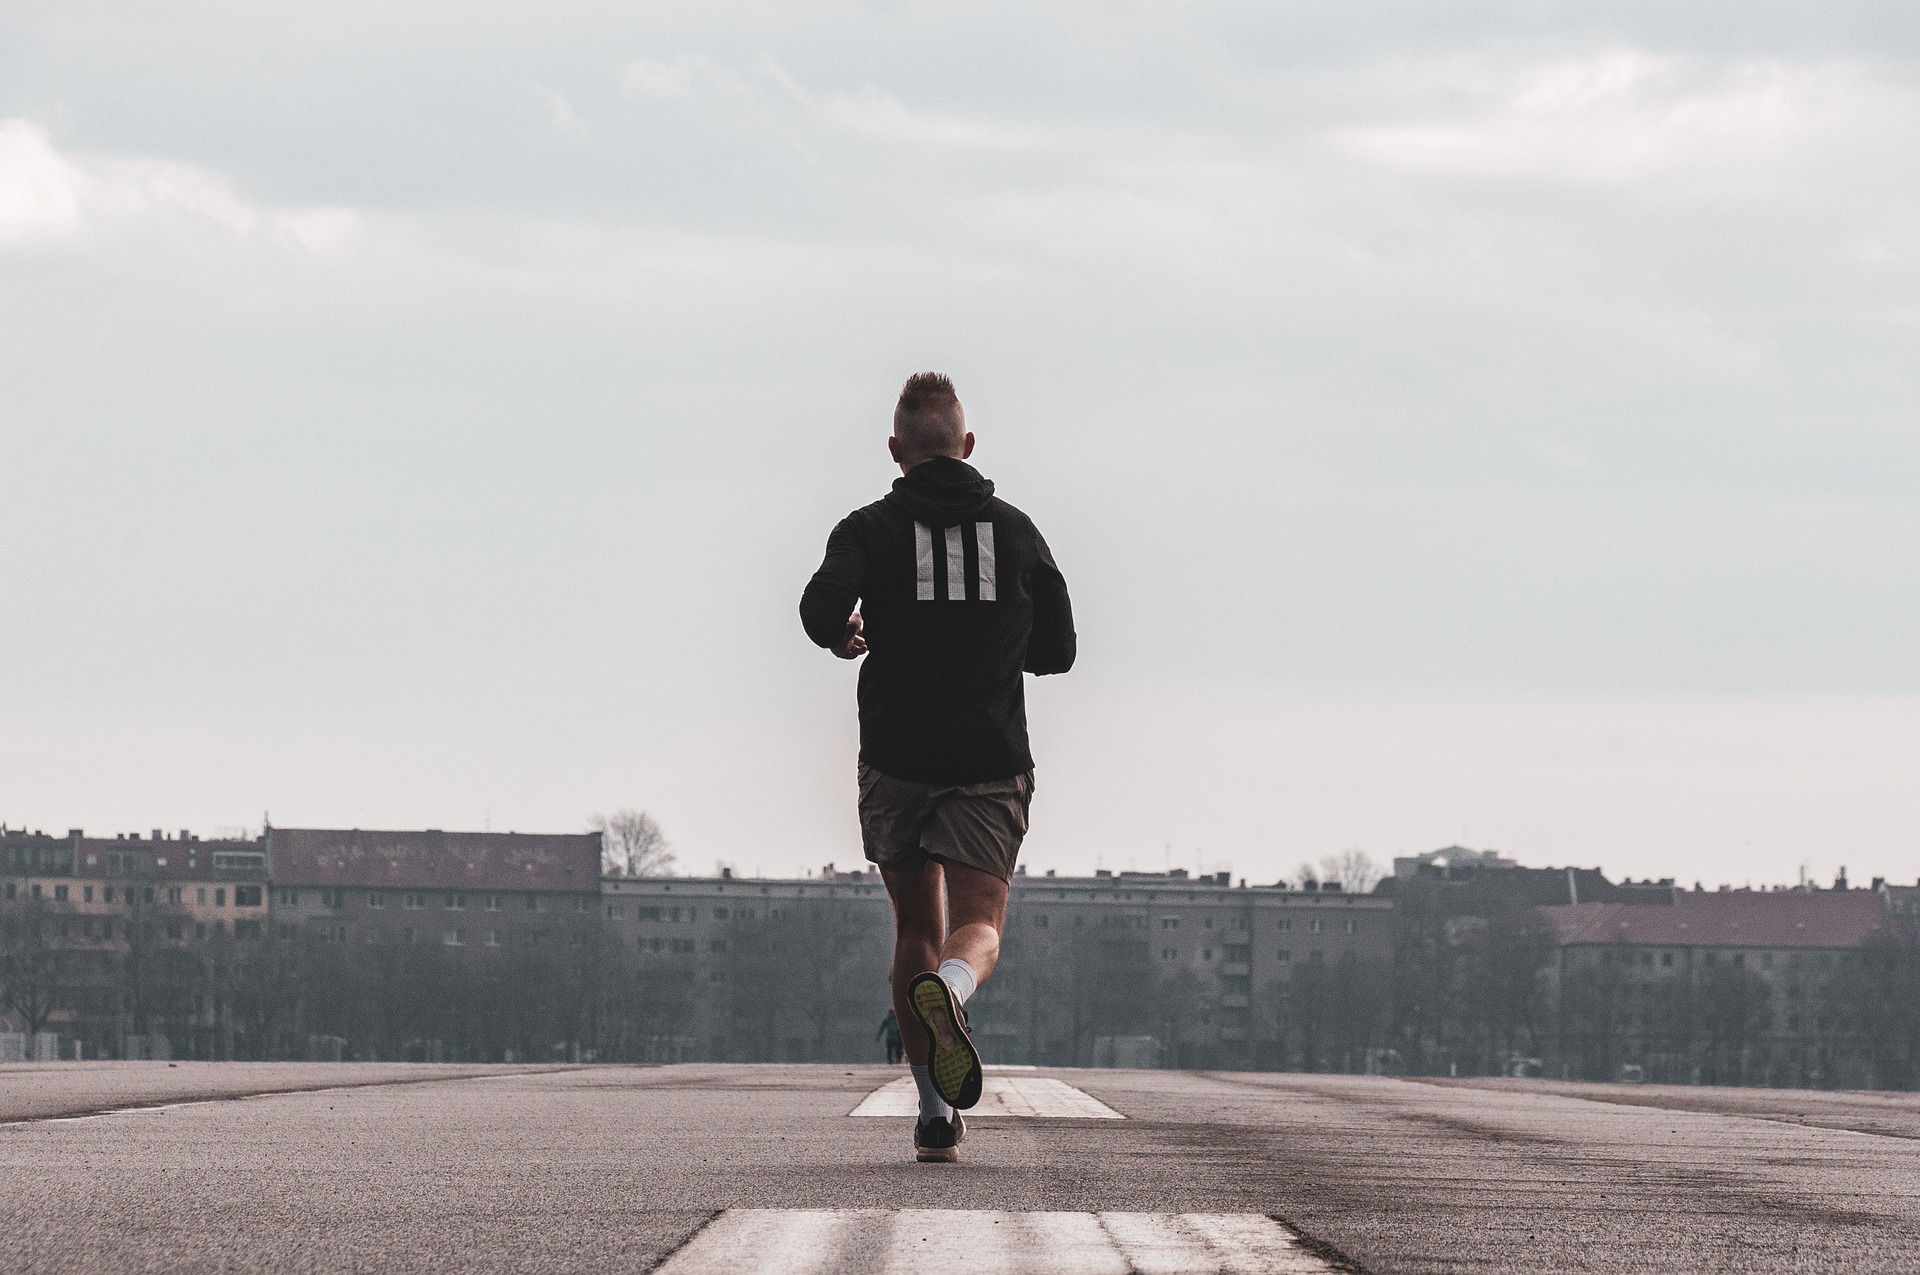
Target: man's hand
852,646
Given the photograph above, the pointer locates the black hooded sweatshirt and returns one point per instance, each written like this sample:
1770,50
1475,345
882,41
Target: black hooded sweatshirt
959,595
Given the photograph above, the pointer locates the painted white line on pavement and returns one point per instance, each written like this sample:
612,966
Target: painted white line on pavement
988,1242
999,1096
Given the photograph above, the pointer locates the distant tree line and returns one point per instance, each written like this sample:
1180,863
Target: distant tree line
1473,987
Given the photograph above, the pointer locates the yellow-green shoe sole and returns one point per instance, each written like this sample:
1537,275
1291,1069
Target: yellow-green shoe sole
955,1062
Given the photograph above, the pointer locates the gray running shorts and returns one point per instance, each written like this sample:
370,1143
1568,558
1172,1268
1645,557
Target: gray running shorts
902,823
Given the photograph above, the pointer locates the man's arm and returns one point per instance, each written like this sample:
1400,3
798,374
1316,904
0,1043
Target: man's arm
1052,646
826,607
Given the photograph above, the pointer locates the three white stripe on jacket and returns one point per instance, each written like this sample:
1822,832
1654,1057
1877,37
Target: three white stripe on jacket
956,562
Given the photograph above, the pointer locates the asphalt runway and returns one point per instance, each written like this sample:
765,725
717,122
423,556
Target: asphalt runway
206,1166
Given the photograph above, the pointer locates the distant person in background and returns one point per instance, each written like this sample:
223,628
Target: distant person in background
951,594
889,1034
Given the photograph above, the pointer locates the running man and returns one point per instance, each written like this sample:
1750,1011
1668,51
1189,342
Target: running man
951,594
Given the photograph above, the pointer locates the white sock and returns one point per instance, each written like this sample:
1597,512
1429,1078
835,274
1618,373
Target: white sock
959,976
932,1105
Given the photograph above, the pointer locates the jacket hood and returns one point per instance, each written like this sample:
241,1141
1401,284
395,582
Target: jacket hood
943,492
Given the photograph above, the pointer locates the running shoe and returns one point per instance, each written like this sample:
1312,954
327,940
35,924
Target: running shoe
937,1141
956,1063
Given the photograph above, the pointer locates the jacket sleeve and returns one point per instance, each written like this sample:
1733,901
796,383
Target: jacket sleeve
835,588
1052,646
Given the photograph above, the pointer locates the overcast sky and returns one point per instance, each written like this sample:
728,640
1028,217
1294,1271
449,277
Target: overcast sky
1456,423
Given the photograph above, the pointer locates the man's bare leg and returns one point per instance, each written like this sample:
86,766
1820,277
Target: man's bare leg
976,914
919,933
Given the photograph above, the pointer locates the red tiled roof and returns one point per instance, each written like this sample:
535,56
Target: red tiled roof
435,860
1729,918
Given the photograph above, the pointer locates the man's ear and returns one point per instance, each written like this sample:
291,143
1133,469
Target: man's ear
893,448
966,445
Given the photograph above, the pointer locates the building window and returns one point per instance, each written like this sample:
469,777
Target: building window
86,894
220,896
413,900
719,945
1766,960
719,914
1040,921
1285,924
337,933
493,903
1169,922
616,911
1237,955
147,894
1666,958
60,893
246,896
493,938
579,903
683,945
1206,953
746,914
200,896
1739,958
1238,923
376,900
533,903
1286,956
1313,926
409,935
455,938
173,930
456,902
1169,953
199,931
289,898
1207,924
1351,927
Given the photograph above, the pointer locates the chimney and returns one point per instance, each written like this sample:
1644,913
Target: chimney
159,835
726,874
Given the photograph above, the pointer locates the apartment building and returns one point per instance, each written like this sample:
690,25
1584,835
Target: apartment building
1723,986
1203,963
466,891
127,914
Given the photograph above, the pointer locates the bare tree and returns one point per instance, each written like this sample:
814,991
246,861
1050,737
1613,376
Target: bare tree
33,964
632,844
1353,869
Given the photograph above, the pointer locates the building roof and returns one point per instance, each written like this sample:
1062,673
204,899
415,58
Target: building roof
185,859
1727,918
435,860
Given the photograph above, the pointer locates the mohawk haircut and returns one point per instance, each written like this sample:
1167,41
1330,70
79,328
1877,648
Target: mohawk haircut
927,420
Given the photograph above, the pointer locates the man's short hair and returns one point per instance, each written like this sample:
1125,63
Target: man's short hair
927,420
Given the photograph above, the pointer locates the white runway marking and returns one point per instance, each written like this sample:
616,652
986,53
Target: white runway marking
985,1242
999,1096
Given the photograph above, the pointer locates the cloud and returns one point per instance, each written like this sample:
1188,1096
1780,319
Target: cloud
682,77
869,110
1626,115
560,112
40,192
47,196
